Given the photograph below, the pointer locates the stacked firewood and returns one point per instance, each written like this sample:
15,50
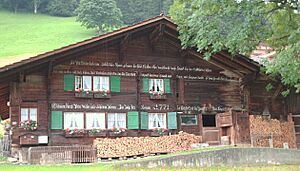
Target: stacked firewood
133,146
266,131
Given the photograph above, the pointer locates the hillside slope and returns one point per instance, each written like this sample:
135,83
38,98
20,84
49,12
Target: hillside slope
24,35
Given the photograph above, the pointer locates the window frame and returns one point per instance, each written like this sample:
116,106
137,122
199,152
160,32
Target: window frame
99,113
81,83
93,83
116,121
188,115
28,113
155,80
156,126
64,120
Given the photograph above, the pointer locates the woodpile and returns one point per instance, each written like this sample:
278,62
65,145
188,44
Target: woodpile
133,146
266,132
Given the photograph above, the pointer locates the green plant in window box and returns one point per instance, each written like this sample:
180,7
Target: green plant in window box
74,132
85,94
102,94
118,130
97,132
29,125
157,94
159,131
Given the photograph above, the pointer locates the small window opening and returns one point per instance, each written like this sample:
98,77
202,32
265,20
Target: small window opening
209,120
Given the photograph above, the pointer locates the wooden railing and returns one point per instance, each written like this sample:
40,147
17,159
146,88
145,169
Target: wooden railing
62,154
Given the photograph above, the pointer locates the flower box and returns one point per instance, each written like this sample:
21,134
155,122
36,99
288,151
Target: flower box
117,134
102,95
28,125
84,94
74,132
158,96
159,132
97,133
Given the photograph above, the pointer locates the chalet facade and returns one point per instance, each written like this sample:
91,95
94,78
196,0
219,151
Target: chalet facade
137,78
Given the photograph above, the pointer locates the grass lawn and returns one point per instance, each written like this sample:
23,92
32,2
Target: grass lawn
111,167
24,35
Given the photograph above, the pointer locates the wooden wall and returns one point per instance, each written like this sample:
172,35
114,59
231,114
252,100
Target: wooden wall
191,88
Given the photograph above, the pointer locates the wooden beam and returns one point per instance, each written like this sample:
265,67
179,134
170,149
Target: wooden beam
216,63
232,63
123,47
277,91
156,35
239,61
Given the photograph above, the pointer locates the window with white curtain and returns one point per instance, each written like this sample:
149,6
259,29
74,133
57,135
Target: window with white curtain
157,120
78,83
95,120
87,83
73,120
28,114
116,120
156,85
100,83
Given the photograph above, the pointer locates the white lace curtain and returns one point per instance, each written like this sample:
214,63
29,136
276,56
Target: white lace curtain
156,85
73,120
116,120
95,120
101,83
157,120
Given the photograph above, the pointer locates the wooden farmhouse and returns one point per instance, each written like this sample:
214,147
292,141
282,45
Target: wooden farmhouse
130,82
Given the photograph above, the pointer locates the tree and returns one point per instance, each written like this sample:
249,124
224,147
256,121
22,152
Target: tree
135,11
63,8
238,26
36,4
99,14
15,5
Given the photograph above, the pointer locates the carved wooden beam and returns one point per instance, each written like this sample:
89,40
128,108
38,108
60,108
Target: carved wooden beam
156,35
216,63
232,63
123,47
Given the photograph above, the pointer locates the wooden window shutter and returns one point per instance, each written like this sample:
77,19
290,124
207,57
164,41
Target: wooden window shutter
145,85
172,120
56,120
144,120
167,83
133,120
69,81
115,84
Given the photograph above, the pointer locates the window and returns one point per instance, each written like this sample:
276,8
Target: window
156,85
100,83
116,120
209,120
157,120
189,120
73,120
95,120
78,83
87,83
28,114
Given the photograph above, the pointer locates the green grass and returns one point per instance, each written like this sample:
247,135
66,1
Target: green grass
23,35
110,167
